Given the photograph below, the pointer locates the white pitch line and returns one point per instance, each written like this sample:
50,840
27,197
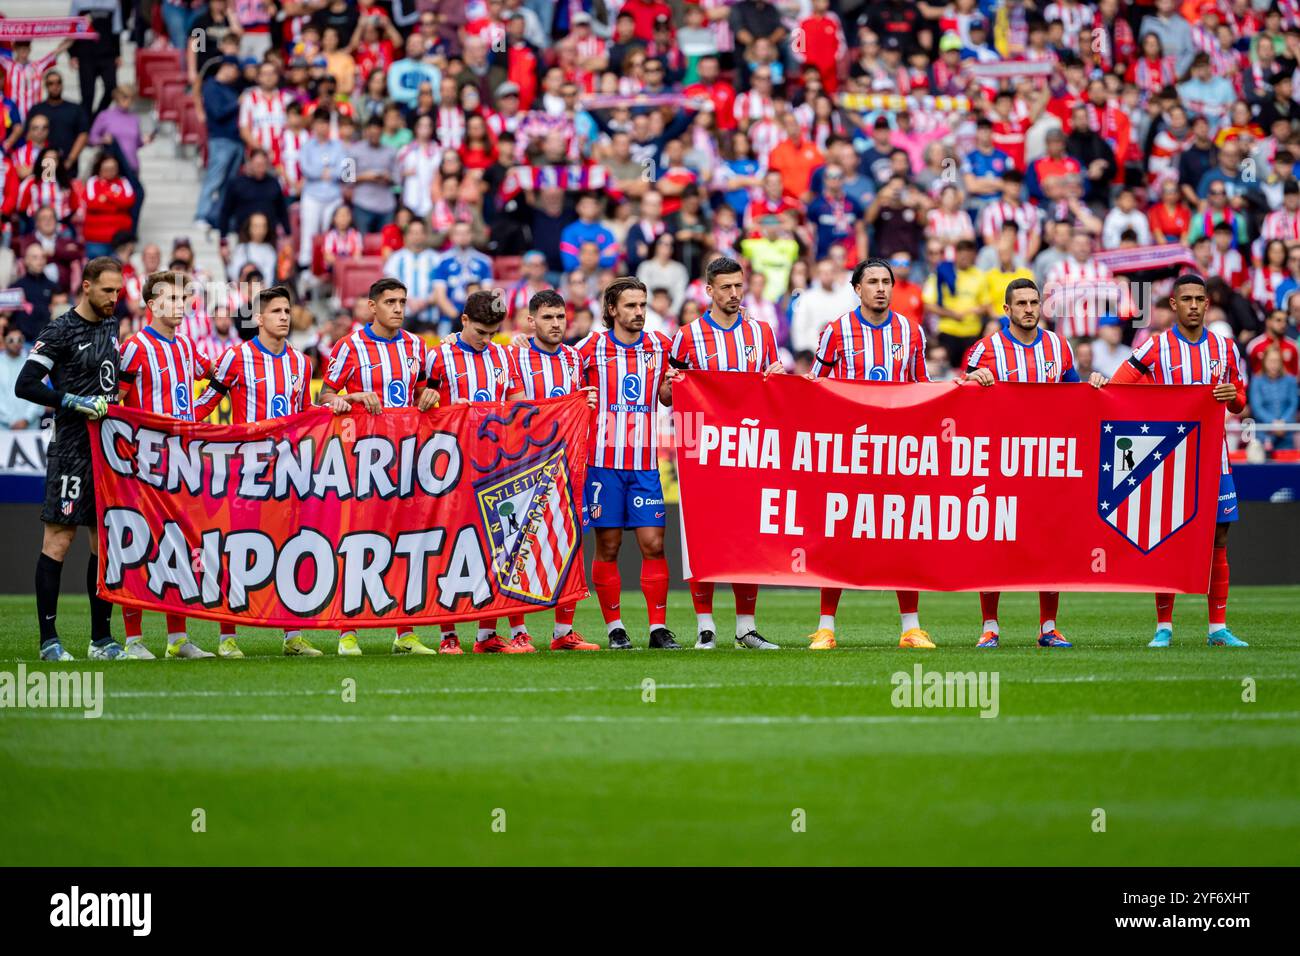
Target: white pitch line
721,685
752,719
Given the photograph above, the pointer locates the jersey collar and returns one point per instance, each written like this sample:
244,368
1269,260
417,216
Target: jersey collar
627,345
1205,332
1006,333
262,348
368,328
158,335
466,347
889,317
532,344
740,319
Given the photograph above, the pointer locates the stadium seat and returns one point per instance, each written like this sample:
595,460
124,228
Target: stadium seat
507,268
318,254
1287,454
1238,457
353,277
172,98
372,244
191,129
148,63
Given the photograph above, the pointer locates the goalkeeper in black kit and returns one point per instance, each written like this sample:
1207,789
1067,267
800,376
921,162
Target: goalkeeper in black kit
78,352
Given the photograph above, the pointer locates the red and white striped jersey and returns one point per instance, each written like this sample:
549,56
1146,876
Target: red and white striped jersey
949,227
288,156
262,115
1281,224
34,192
261,384
748,346
750,106
458,372
853,348
157,374
24,156
1230,266
1074,288
1047,360
1263,287
765,135
450,127
543,374
1172,360
367,362
343,245
1025,215
22,81
213,345
627,379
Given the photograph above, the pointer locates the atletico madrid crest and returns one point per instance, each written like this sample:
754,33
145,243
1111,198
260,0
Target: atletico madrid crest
1147,479
532,527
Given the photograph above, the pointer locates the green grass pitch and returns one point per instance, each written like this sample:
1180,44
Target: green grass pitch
573,766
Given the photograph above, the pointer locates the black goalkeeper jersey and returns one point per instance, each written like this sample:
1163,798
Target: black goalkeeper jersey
82,359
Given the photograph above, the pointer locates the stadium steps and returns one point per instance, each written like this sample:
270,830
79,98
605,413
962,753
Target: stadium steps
171,181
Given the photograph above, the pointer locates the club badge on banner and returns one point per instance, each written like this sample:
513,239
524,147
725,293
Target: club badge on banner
467,512
938,487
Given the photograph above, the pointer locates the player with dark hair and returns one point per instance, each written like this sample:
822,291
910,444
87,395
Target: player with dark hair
627,365
265,378
725,339
157,374
79,353
470,367
379,366
873,343
547,368
1188,353
1023,351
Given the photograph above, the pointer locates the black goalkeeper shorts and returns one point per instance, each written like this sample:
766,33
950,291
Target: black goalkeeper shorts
69,491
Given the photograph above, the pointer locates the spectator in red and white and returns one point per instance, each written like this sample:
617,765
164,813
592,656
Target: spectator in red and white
1170,218
1226,260
22,75
287,158
262,110
771,200
1266,277
49,184
824,44
109,200
1011,121
1074,285
949,222
1011,208
418,162
755,103
1284,223
343,241
1274,336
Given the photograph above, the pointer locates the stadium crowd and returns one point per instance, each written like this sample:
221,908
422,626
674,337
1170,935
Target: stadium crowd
524,144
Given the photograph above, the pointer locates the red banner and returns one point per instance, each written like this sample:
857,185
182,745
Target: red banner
947,487
47,28
467,512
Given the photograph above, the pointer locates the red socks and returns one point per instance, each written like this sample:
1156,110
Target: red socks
1217,599
654,585
564,615
605,579
131,617
908,601
1165,608
702,596
1049,602
830,601
746,598
988,604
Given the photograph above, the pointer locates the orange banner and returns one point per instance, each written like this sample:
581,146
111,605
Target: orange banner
462,513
